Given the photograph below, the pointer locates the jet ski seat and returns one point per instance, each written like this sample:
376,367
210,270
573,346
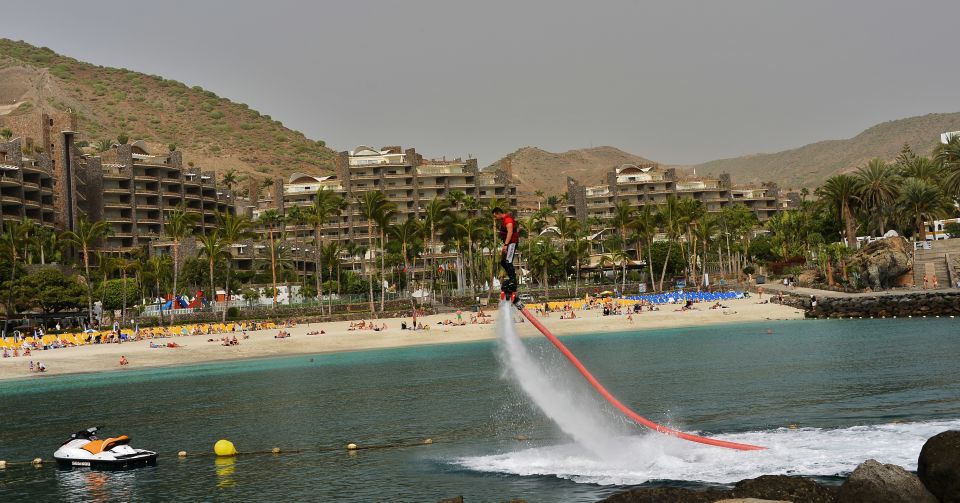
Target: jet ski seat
98,446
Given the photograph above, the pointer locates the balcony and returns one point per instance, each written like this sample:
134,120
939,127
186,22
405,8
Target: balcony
116,190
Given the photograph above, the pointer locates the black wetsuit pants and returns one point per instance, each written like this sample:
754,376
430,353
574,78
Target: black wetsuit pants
506,261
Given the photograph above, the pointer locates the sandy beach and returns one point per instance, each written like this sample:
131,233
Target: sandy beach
338,337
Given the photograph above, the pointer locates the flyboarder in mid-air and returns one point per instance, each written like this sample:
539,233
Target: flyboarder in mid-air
510,234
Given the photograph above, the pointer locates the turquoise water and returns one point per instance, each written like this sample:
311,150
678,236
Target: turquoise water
857,389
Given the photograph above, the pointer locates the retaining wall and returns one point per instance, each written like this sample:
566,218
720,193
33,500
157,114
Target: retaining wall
912,304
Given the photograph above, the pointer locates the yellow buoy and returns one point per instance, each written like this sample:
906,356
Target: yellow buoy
351,447
37,461
182,454
3,465
275,450
792,426
224,448
428,441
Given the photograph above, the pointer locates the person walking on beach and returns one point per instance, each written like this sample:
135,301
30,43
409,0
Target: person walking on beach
510,235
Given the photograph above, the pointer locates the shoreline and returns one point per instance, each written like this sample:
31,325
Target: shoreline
93,359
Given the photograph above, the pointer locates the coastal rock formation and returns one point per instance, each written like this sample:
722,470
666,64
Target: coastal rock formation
783,487
665,495
873,481
882,262
939,466
764,488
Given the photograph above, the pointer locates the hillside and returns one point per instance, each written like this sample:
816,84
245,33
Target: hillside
212,132
810,165
536,169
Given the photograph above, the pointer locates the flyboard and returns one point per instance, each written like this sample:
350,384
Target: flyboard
616,403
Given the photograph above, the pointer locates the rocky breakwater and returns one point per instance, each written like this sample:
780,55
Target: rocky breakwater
930,303
871,482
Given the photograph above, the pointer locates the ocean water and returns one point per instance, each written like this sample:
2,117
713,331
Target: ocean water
854,389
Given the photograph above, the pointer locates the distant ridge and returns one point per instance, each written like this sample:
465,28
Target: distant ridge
810,165
537,169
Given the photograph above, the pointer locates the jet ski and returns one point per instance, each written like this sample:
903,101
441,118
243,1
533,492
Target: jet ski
85,450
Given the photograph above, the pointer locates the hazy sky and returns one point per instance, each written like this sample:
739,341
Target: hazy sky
674,81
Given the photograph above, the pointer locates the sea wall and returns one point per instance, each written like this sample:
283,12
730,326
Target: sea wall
885,306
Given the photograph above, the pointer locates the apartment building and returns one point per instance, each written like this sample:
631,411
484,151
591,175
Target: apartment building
404,177
26,185
133,189
651,184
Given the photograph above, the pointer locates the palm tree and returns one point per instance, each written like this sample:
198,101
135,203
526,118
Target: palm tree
947,156
160,268
106,266
543,257
668,215
924,202
125,266
470,228
233,229
215,249
455,199
495,202
434,214
371,204
406,233
566,228
579,247
15,235
178,226
878,187
383,218
921,168
271,219
622,219
85,237
646,226
704,231
230,178
326,204
840,192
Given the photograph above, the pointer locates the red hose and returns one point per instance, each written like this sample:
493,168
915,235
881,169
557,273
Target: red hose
623,408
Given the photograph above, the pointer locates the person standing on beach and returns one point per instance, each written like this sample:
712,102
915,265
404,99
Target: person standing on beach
510,235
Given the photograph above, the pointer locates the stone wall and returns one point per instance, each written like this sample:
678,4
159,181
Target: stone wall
885,306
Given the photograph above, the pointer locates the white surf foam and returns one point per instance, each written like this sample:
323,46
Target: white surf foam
646,457
600,453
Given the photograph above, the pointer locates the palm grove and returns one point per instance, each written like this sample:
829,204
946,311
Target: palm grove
455,240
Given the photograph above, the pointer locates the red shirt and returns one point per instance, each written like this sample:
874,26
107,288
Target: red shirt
515,236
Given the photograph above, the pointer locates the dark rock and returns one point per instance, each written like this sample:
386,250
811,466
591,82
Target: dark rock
458,499
939,466
665,495
782,487
873,481
882,262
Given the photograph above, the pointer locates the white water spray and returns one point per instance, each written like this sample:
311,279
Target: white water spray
574,411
